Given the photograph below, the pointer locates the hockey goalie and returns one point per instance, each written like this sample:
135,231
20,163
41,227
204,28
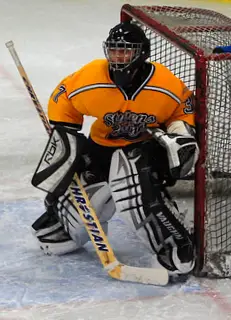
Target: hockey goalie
142,141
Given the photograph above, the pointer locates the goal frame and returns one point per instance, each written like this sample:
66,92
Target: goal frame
129,12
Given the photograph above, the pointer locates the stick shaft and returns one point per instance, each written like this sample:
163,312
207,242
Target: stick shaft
30,89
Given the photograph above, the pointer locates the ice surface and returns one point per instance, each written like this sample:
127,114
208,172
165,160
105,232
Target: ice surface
54,38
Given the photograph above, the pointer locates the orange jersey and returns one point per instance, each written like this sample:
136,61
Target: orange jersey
161,99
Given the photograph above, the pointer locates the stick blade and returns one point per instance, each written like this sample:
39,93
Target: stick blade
154,276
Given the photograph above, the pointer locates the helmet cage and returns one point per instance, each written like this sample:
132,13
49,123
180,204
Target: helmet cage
113,49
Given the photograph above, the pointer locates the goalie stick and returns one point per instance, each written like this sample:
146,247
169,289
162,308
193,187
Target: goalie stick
117,270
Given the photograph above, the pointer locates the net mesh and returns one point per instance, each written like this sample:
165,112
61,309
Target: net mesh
203,30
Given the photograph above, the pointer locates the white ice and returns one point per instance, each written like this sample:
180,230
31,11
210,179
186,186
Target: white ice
54,38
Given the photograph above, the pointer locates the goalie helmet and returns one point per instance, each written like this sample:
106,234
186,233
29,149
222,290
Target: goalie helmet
126,49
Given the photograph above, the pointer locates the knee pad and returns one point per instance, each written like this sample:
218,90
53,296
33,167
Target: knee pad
101,199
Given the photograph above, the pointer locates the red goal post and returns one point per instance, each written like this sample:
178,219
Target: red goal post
183,40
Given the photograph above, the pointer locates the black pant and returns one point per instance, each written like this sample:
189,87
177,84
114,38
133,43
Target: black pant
101,158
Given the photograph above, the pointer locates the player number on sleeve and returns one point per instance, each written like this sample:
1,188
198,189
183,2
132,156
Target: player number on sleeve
61,89
189,105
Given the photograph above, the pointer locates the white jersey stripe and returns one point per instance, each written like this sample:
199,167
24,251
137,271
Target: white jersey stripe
91,87
167,92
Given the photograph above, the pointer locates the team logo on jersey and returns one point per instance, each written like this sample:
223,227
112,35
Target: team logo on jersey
127,125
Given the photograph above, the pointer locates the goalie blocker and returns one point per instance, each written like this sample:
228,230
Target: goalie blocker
131,180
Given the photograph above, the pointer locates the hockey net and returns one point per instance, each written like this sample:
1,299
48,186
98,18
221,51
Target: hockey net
183,40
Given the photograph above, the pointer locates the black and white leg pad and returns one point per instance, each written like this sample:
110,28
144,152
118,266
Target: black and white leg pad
63,230
140,199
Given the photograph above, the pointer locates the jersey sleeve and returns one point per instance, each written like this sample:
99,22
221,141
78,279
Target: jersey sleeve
185,109
61,110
